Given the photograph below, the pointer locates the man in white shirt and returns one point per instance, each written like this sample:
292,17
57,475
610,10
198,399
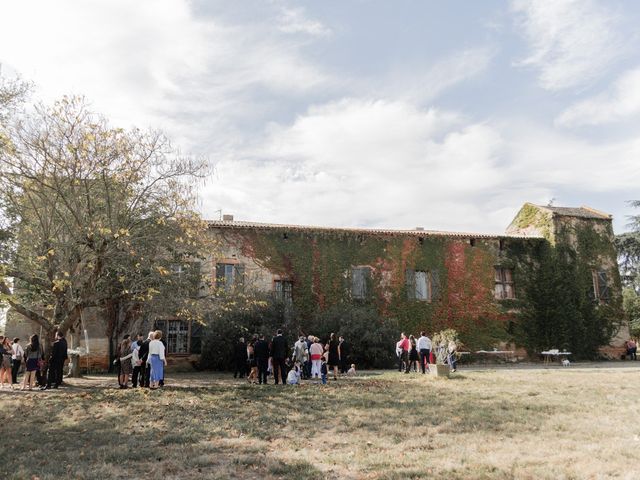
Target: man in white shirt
424,348
16,359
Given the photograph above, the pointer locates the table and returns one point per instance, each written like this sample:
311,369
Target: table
506,355
550,354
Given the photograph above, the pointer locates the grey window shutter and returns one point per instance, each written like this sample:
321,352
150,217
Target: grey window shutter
435,284
219,273
603,285
410,282
238,275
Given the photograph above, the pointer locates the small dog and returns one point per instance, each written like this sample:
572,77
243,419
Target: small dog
566,362
352,371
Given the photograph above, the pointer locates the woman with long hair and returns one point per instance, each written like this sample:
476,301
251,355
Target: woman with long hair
126,368
5,361
413,354
33,355
334,355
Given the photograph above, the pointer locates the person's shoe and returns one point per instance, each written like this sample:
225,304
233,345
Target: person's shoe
45,387
55,386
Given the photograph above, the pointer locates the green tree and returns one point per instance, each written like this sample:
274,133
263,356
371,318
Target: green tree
96,216
558,308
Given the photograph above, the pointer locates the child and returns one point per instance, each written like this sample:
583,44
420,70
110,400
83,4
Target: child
352,371
293,378
323,371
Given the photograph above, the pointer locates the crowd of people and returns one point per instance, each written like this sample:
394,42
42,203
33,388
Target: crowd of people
412,352
307,359
141,361
42,370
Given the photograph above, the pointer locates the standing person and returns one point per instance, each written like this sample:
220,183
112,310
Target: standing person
5,361
424,348
253,366
136,362
17,353
279,354
306,370
126,367
33,355
334,355
452,350
315,353
261,352
145,371
240,358
324,371
56,362
344,355
300,352
156,360
403,350
413,353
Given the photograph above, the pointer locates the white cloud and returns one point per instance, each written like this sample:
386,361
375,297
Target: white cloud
363,162
295,20
572,42
455,68
155,62
620,103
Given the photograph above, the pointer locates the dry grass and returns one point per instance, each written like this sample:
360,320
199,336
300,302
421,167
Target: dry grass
521,423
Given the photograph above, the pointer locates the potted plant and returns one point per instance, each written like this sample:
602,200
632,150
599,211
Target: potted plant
440,345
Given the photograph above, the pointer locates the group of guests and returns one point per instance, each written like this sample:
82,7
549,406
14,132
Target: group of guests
42,369
309,358
412,351
141,361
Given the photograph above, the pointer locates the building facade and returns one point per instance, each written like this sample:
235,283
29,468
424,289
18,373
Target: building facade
426,280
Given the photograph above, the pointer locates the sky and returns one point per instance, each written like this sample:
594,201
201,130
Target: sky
444,115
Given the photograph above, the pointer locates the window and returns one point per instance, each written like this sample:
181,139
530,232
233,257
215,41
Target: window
422,285
229,275
359,280
175,334
283,290
601,291
504,283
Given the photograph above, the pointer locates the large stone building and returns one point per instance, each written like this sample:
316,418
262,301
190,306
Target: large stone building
424,279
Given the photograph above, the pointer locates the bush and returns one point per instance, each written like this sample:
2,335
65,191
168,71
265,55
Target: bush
370,337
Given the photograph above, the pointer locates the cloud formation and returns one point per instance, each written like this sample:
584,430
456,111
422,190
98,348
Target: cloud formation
571,42
620,102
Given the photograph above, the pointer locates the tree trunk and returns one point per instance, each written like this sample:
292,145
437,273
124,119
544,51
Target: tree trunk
74,366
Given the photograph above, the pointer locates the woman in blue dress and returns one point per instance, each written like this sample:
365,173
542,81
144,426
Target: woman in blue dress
156,360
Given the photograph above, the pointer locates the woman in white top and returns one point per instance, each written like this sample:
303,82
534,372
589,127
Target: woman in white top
156,360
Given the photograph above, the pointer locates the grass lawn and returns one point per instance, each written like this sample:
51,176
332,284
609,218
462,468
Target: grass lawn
504,423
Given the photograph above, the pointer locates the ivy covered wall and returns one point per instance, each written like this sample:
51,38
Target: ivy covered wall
554,305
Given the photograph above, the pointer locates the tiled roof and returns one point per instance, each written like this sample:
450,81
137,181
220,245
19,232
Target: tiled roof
370,231
582,212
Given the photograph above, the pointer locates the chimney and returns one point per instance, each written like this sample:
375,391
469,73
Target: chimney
227,218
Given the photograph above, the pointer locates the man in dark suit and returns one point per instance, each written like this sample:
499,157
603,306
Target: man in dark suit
344,355
56,362
261,352
240,359
143,354
279,354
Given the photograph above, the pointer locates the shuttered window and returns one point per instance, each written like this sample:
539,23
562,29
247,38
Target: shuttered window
283,290
601,290
422,285
359,282
504,288
229,275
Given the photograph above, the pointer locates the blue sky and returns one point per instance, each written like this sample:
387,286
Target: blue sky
447,115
